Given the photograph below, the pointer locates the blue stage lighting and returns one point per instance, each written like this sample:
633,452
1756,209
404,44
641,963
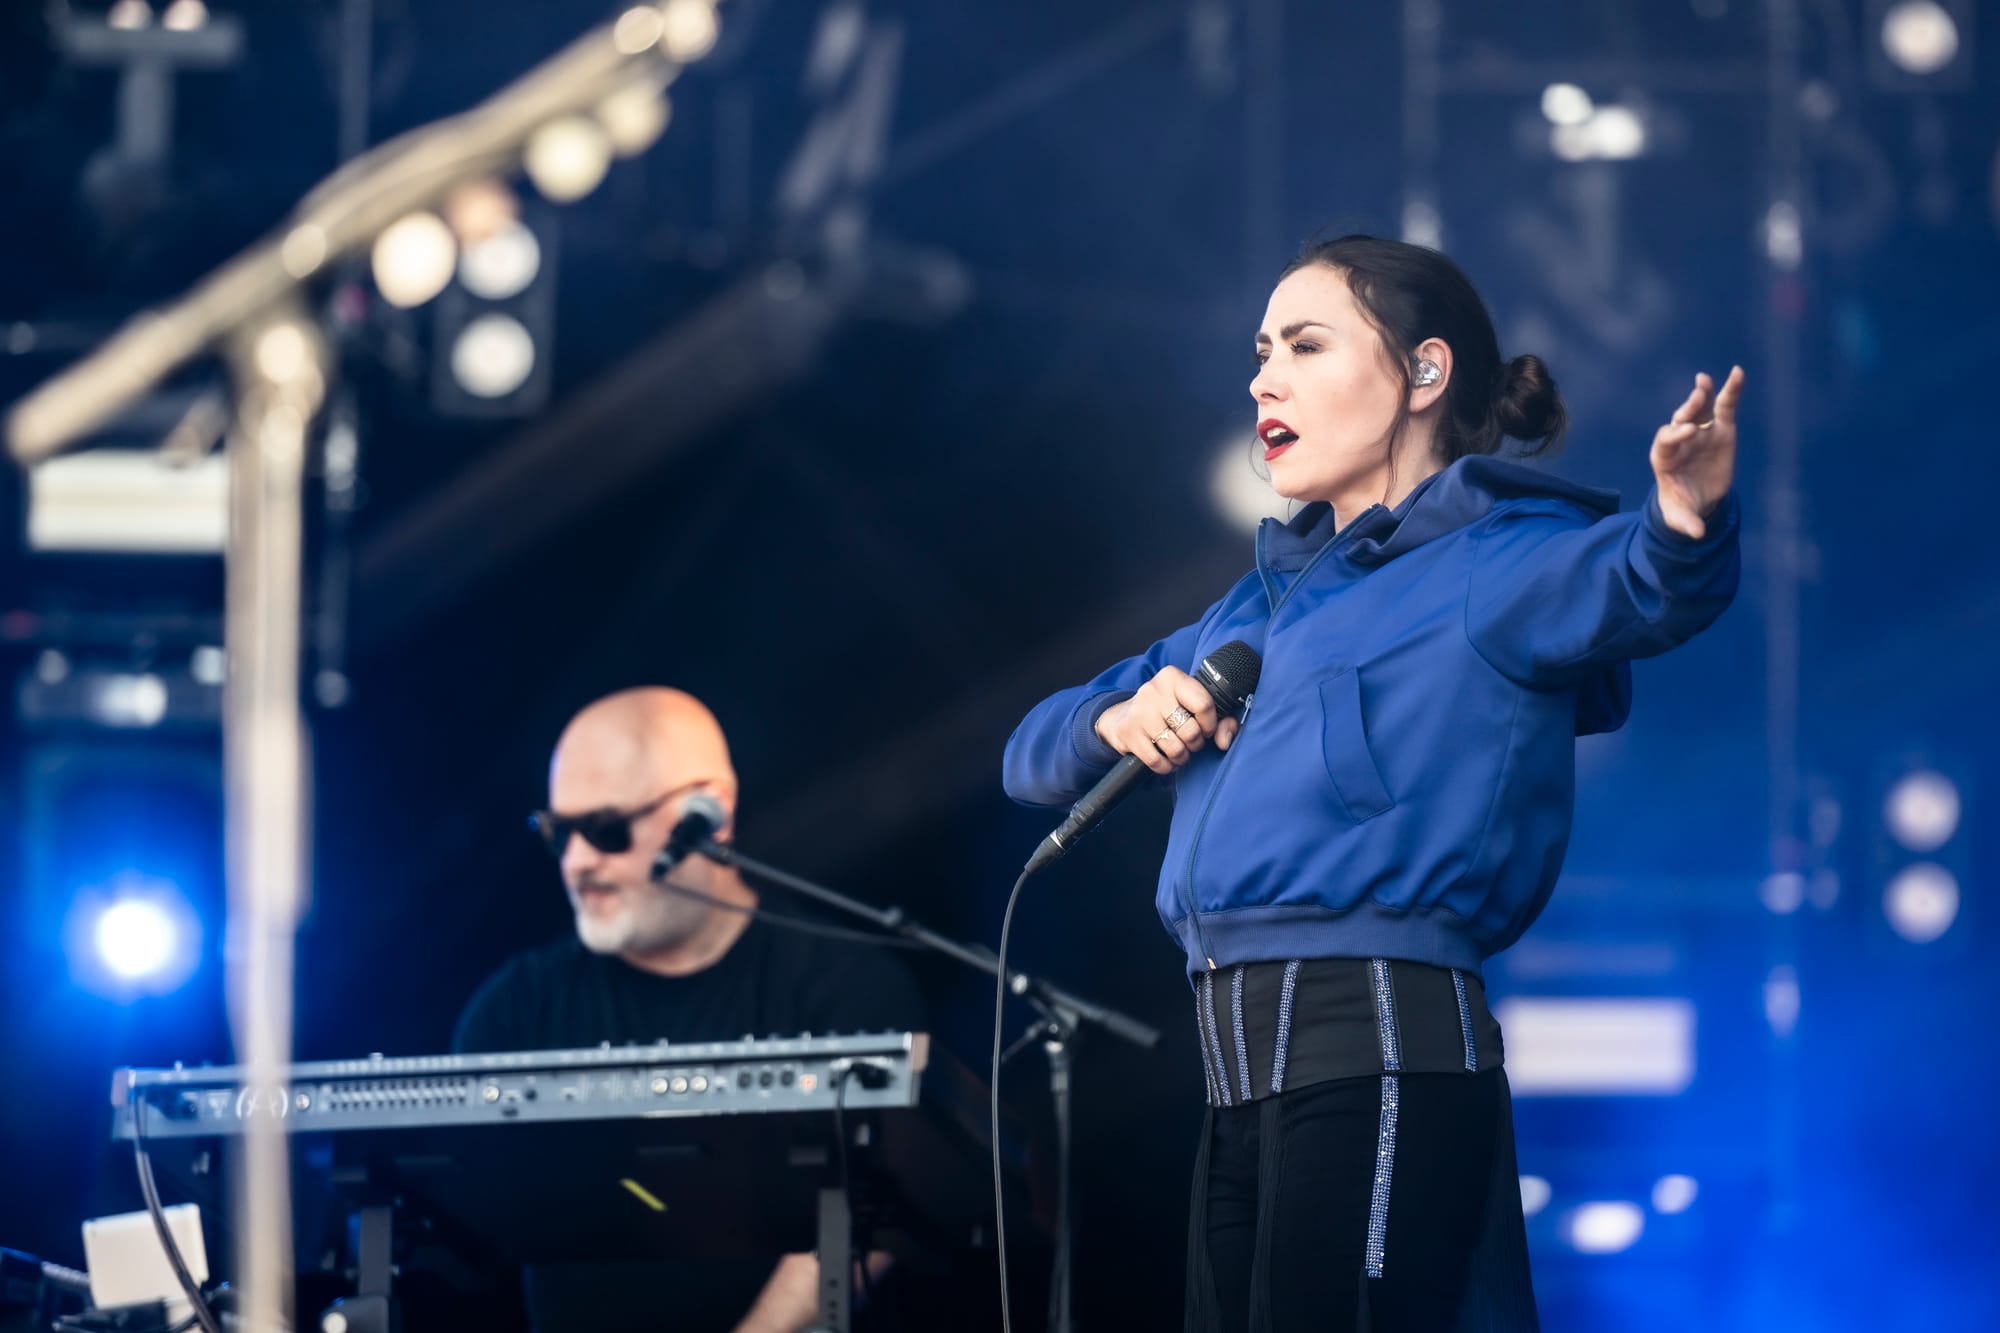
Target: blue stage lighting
1923,810
133,935
1592,1046
135,938
1922,901
1674,1194
1604,1227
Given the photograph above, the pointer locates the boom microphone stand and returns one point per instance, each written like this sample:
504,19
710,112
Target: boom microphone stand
1060,1016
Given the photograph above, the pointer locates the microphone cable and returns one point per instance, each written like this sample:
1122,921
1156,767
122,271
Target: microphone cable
999,1005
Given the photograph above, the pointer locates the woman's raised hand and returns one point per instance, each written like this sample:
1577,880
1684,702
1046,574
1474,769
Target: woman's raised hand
1694,454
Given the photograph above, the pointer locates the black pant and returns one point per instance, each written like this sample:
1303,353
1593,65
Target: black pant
1282,1200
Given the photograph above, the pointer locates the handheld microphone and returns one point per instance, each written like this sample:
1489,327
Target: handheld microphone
701,816
1229,674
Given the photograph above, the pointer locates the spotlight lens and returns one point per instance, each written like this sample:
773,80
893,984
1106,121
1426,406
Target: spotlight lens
135,938
1566,104
503,264
129,14
637,28
1922,811
1605,1228
1674,1194
1571,143
1617,133
1922,902
413,259
635,118
1919,36
567,158
185,15
131,701
689,29
493,356
1535,1195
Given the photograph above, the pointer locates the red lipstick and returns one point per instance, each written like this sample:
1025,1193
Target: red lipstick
1277,437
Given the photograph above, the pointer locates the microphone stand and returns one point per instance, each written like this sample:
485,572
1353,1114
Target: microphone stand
1061,1015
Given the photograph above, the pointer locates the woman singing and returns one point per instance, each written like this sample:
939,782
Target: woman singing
1437,627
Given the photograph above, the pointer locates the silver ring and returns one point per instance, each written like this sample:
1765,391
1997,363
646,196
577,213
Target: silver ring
1179,718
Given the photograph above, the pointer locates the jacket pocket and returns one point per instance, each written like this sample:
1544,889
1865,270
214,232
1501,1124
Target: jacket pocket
1344,741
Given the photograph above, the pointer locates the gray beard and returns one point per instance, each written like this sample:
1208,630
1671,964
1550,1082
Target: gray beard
644,924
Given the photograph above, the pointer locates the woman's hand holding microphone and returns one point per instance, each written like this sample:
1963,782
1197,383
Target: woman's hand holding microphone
1171,717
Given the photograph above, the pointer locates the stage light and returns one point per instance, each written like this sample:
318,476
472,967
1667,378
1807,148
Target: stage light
413,259
492,356
131,701
1922,810
1566,104
493,328
129,15
635,118
1422,224
284,354
132,935
479,209
1608,134
689,29
1784,235
1617,132
1570,143
208,664
106,694
1535,1195
1604,1228
1598,1047
1674,1194
1783,893
1921,902
303,250
637,28
1240,494
185,16
567,158
1781,999
128,500
1919,36
135,938
118,831
502,264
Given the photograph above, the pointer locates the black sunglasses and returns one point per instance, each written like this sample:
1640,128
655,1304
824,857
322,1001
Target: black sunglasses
609,830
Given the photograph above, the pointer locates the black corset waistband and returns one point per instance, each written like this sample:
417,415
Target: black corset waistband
1267,1027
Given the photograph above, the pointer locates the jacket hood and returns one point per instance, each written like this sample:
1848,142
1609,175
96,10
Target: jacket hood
1442,503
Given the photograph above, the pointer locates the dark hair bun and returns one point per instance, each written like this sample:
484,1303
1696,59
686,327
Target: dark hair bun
1527,405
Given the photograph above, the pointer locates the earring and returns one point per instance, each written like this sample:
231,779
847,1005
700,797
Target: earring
1428,374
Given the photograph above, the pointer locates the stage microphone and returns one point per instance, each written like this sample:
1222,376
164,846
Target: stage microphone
1229,674
701,816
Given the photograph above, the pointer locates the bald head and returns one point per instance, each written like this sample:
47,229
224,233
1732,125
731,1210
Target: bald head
640,754
630,747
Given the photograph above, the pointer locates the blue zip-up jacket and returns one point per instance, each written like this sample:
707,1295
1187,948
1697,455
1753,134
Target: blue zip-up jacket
1404,780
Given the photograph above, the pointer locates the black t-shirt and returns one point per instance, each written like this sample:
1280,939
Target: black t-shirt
773,982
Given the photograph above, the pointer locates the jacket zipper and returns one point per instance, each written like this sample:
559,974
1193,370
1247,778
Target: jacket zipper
1215,788
1194,916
